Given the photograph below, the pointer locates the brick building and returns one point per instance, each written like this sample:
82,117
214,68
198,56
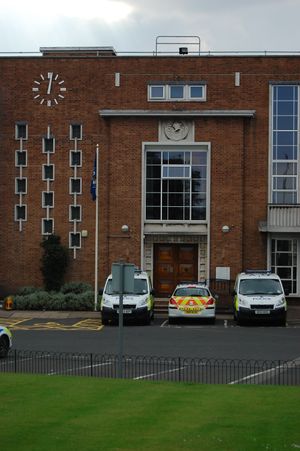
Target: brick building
198,157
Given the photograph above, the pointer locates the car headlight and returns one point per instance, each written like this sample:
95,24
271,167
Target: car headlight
143,302
243,302
106,302
281,302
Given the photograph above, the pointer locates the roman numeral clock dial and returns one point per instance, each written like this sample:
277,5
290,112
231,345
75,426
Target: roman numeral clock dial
49,89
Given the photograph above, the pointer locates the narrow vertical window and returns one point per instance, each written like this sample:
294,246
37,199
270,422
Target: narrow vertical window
21,130
75,131
75,240
48,145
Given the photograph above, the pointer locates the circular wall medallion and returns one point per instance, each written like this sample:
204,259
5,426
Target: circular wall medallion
176,130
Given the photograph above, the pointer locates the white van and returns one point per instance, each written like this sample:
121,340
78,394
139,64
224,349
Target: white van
259,295
138,305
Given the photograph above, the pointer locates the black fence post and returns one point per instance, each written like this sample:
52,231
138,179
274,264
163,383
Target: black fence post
15,360
92,374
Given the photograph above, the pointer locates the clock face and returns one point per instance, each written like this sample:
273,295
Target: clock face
49,89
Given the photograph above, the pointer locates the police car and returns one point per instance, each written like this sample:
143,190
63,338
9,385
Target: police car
192,300
5,341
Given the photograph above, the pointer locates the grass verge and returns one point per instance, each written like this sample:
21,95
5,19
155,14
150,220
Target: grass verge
42,413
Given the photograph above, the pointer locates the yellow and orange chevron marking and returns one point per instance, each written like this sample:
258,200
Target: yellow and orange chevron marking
191,300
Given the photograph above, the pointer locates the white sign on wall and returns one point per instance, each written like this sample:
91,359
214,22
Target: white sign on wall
223,272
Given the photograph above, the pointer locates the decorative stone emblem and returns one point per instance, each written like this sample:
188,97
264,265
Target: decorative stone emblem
176,130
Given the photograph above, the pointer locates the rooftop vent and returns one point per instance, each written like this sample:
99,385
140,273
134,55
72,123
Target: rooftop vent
78,51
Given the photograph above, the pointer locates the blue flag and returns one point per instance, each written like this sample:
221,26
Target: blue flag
94,181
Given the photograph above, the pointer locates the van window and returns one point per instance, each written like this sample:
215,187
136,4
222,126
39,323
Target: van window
260,286
140,286
193,291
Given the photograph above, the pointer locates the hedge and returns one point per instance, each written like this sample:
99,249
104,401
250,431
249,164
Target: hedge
75,296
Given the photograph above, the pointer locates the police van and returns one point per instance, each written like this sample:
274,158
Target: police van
137,306
259,295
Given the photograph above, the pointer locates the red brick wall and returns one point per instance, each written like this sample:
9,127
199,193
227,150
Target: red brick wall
239,155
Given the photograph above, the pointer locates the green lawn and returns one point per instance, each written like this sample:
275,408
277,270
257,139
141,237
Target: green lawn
41,413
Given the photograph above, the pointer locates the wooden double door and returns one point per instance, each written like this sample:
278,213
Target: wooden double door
174,263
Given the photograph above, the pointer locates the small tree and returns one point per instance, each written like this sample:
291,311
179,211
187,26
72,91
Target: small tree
54,261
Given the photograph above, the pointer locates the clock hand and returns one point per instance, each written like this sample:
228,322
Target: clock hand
50,76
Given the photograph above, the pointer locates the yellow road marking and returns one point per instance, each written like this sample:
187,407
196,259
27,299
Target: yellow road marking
8,322
87,324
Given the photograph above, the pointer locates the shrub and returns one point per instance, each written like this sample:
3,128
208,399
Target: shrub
28,290
45,300
33,301
76,287
55,261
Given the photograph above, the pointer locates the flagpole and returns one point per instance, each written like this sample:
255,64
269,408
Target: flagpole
96,227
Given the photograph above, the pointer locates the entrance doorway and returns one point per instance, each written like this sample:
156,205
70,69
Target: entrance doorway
174,263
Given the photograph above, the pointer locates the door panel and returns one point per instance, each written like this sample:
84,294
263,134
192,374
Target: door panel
174,263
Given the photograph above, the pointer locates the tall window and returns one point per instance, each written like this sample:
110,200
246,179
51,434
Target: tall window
176,185
284,262
285,144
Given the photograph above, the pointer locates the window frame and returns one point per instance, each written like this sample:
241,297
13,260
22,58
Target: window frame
167,87
70,185
44,178
291,194
70,213
17,130
18,152
70,240
15,212
70,159
71,130
44,151
43,228
43,199
197,213
16,185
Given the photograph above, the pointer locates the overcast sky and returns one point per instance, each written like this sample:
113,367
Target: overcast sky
133,25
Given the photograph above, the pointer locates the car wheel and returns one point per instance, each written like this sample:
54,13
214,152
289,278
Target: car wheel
104,321
282,322
4,346
239,322
172,320
147,321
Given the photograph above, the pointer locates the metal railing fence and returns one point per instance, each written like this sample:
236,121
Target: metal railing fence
176,369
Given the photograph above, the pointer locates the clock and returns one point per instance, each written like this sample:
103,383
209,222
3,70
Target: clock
176,130
49,89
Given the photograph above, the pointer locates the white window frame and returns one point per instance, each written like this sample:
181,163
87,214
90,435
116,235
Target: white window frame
16,185
190,147
44,145
16,208
44,178
72,138
17,125
186,92
177,99
203,98
43,228
17,152
70,185
150,97
70,240
70,213
173,166
70,159
43,199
